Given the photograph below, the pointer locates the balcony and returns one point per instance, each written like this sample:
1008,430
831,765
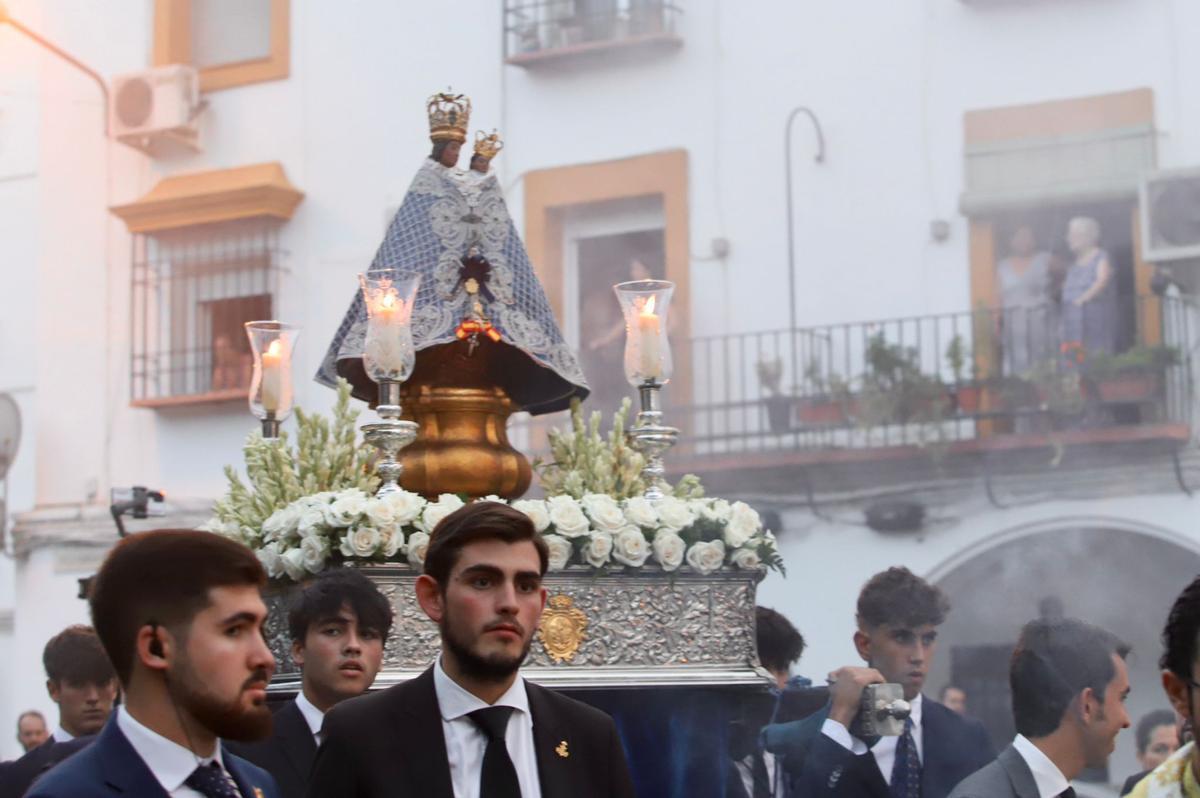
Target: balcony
539,33
984,396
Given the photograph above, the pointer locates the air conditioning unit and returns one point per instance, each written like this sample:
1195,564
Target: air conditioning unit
1170,209
157,110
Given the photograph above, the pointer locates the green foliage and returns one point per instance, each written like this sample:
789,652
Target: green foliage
584,461
327,457
895,391
1140,359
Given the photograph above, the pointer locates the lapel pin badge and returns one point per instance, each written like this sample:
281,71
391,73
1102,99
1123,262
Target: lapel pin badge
258,793
561,750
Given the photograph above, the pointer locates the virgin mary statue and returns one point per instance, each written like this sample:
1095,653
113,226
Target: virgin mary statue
455,230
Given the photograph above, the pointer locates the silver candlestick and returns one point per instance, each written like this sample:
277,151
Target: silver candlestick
389,435
270,425
651,438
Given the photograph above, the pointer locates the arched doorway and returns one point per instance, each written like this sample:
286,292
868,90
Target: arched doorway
1116,578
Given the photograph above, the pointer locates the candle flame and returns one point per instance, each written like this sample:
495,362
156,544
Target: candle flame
275,348
389,300
648,308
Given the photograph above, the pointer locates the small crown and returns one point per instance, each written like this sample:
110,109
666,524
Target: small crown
449,116
487,144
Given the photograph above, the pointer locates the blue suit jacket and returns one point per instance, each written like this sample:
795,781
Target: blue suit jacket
111,767
954,747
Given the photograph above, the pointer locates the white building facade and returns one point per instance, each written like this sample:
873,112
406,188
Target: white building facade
633,130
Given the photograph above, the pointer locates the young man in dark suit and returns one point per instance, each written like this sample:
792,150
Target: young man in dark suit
470,726
81,681
1069,684
180,615
898,615
338,623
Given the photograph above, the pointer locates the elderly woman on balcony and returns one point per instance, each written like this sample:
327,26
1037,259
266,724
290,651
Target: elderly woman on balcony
1025,318
1089,294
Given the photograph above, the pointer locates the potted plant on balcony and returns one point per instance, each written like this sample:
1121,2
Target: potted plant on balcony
779,405
1058,391
1132,377
827,399
895,390
967,395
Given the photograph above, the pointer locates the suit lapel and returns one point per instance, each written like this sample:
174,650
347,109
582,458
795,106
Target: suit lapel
296,739
247,785
1019,774
419,729
124,770
552,745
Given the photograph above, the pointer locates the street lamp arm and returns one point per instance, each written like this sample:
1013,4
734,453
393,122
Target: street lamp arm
6,18
791,234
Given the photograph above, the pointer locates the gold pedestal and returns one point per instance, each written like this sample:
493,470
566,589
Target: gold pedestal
463,443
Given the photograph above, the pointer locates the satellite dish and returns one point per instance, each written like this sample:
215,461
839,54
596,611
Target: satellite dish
10,432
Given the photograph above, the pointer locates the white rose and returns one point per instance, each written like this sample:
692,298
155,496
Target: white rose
314,551
715,510
391,540
537,512
418,544
293,564
347,508
604,511
360,541
669,549
567,516
380,513
279,524
630,547
674,513
639,510
747,558
560,551
598,549
433,513
406,507
268,555
706,557
743,524
311,521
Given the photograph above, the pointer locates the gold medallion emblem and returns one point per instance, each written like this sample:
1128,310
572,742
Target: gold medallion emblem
562,628
561,750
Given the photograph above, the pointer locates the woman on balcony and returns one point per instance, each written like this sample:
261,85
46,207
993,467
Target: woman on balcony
1024,320
1089,294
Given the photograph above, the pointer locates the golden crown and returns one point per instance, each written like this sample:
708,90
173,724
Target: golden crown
488,144
449,116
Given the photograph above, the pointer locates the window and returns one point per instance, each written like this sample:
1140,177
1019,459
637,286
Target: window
192,291
537,31
231,42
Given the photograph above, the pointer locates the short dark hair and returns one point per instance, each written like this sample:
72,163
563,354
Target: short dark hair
1179,636
163,577
779,643
898,597
1054,661
75,656
1149,722
325,595
481,520
950,686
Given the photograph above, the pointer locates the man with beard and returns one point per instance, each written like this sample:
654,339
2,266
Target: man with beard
180,615
1069,684
81,681
898,614
338,623
470,726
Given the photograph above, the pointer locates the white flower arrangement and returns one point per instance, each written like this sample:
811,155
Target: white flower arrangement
596,531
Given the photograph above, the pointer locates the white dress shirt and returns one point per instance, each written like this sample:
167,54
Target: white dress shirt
884,751
61,736
312,716
169,761
1049,779
466,742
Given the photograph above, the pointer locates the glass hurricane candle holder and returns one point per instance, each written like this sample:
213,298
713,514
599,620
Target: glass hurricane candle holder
272,343
645,304
388,352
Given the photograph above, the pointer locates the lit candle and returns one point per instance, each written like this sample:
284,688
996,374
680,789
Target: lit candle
649,330
386,334
272,376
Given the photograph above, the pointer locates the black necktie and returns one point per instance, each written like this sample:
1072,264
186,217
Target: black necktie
906,771
498,778
212,781
1067,793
